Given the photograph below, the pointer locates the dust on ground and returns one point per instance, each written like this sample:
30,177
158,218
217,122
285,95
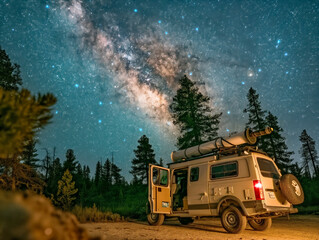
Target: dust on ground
299,227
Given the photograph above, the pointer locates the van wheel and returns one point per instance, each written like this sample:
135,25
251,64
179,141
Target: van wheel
233,220
185,220
155,219
291,189
260,224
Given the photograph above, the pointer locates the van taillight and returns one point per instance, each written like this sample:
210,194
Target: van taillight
258,188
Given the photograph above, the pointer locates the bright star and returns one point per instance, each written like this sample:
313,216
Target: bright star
286,54
227,129
100,121
228,112
111,103
76,85
135,10
47,6
159,21
166,33
140,129
191,73
100,103
287,72
259,69
243,83
56,112
196,29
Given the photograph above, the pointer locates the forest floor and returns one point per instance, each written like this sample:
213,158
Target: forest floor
299,227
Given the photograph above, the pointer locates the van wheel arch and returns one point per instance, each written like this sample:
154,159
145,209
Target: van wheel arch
228,201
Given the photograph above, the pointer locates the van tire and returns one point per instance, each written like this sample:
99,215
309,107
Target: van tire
233,220
185,220
155,219
291,189
260,224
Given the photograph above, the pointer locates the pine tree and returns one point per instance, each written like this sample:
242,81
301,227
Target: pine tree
275,145
9,73
192,114
55,174
144,155
256,116
21,117
161,163
86,175
70,162
98,172
309,154
29,155
66,191
106,174
115,174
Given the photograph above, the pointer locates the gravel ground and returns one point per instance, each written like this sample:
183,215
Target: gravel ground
299,227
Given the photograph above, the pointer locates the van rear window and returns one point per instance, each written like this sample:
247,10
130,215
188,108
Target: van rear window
267,168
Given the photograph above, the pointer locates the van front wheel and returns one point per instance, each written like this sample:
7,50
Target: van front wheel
233,220
260,224
155,219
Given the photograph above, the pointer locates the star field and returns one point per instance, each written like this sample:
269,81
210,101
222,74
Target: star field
114,66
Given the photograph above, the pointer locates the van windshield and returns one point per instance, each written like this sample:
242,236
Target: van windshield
267,168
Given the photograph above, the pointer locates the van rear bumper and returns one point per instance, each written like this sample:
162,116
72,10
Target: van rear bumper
282,209
273,212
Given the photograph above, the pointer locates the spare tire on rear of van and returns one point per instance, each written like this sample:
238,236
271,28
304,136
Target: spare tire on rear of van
291,189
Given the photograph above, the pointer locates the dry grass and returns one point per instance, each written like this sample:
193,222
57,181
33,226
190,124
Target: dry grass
92,214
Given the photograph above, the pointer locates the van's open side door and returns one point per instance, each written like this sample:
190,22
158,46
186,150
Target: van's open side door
159,189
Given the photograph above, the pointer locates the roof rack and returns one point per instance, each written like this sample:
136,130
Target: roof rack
240,150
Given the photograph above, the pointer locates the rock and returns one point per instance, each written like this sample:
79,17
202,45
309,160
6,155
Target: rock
29,216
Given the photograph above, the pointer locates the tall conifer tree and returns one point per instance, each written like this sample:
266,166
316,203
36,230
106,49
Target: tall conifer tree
106,173
9,73
98,172
275,144
192,114
70,162
115,173
144,155
256,116
309,154
29,155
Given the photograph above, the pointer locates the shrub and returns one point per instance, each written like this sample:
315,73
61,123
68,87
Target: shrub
92,214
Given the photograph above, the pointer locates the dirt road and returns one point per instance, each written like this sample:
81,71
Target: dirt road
299,227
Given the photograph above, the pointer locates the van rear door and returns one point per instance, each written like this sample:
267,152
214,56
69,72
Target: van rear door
270,182
159,189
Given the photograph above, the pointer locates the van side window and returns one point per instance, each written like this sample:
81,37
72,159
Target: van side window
194,174
160,176
224,170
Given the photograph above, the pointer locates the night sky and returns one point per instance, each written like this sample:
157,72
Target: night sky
114,66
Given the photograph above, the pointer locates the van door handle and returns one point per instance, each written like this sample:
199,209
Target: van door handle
204,194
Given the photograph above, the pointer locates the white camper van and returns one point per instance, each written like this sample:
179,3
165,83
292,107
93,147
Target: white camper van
224,178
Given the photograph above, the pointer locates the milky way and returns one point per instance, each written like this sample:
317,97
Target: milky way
144,66
114,67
